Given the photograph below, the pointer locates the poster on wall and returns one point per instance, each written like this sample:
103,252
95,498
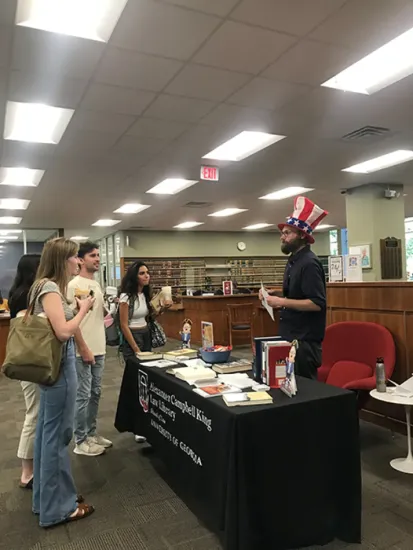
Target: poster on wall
335,269
354,273
207,332
363,250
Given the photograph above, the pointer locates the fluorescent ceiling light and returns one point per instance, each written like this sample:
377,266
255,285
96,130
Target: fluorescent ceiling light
10,220
20,177
243,145
79,238
35,122
10,238
187,225
14,204
228,212
90,19
286,193
131,208
258,226
171,186
106,223
323,226
387,65
4,232
379,163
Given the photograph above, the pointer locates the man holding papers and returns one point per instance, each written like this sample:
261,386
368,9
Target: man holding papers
303,304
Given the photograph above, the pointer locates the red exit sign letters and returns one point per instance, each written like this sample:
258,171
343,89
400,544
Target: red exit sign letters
209,173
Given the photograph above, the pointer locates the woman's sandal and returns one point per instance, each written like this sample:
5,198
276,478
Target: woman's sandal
83,511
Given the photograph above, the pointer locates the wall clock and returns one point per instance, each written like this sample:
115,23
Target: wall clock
241,246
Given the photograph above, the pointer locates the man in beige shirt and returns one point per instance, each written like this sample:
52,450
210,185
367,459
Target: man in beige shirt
90,354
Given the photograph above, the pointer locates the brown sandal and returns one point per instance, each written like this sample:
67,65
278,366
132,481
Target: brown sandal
83,511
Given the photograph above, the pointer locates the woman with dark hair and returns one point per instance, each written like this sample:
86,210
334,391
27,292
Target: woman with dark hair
135,310
25,276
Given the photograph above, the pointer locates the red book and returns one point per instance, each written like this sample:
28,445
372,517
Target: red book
276,365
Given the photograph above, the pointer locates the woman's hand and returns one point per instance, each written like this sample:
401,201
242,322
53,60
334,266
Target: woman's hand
85,305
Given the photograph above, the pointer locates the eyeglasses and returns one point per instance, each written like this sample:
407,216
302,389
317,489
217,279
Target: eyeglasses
287,232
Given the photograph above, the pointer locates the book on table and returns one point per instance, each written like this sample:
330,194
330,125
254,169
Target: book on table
193,375
241,365
148,356
215,390
246,399
180,354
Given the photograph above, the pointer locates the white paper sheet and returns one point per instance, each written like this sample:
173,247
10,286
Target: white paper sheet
265,303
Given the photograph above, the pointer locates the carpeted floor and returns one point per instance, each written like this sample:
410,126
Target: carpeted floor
136,509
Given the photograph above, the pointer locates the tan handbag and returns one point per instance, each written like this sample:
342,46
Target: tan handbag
33,353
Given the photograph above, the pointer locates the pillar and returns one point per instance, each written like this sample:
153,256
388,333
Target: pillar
371,217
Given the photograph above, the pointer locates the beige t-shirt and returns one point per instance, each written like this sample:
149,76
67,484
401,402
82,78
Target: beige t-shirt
92,326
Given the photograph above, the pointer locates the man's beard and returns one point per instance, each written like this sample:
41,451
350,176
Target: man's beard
292,246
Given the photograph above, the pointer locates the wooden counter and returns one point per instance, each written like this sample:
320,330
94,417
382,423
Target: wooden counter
214,309
4,332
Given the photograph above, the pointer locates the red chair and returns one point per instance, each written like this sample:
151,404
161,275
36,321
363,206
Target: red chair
350,351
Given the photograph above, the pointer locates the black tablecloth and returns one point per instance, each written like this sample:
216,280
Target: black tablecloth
280,476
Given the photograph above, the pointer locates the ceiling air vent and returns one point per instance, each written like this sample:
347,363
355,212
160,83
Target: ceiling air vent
366,133
139,227
195,204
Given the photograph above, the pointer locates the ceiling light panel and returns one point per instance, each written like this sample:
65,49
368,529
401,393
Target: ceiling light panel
228,212
131,208
79,238
243,145
4,232
10,220
258,226
286,193
35,122
9,238
188,225
90,19
387,65
379,163
106,223
171,186
20,177
14,204
323,226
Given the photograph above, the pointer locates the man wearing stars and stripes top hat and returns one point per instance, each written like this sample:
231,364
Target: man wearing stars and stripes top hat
303,304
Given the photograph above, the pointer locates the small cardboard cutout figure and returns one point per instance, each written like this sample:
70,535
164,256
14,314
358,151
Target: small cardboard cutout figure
186,334
289,386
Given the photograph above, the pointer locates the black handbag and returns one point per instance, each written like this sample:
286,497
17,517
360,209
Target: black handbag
158,337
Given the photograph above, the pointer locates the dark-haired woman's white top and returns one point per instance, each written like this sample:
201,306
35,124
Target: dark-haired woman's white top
140,310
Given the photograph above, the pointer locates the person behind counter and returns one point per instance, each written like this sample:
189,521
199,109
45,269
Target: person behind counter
303,305
25,276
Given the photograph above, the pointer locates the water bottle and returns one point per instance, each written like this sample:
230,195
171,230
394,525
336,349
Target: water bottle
380,376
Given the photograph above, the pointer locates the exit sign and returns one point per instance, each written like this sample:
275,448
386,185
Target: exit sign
210,173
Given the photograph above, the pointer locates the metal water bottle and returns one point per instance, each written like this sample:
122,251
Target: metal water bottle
380,376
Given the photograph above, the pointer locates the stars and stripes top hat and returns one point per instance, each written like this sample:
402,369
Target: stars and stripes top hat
306,217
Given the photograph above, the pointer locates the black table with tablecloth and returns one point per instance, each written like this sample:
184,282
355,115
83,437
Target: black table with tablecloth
282,476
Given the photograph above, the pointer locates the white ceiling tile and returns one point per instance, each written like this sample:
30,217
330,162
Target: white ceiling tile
5,46
7,12
162,29
216,7
233,116
267,94
243,48
127,68
366,23
206,83
32,155
101,97
99,121
85,141
296,17
309,62
179,108
140,145
51,90
50,53
157,128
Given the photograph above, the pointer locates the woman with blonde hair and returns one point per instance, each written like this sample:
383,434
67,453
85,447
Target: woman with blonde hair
54,492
